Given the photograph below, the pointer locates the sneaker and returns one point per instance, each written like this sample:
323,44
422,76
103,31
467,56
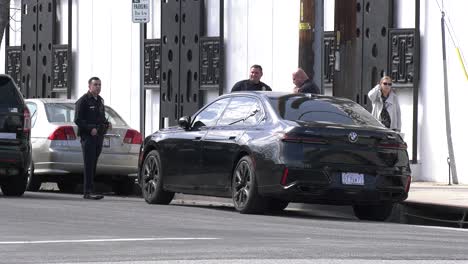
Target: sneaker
93,197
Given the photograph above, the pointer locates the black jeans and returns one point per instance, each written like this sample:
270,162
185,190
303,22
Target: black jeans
91,147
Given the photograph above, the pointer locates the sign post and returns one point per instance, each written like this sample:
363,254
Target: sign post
141,14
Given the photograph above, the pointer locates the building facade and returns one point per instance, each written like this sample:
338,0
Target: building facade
106,43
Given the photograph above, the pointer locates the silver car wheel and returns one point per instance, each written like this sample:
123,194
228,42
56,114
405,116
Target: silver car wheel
152,180
242,184
150,175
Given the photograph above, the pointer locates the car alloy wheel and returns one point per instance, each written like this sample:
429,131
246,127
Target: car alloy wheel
242,184
34,181
244,188
151,180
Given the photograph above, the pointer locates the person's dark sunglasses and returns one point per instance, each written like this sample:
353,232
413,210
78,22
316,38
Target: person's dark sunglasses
386,83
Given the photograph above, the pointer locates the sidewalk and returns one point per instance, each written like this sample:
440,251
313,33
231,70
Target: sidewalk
439,194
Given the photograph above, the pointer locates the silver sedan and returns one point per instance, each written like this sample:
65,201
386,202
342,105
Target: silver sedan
57,155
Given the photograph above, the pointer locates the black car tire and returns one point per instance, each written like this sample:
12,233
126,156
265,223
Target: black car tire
151,180
245,194
15,185
276,205
373,212
34,181
67,186
123,186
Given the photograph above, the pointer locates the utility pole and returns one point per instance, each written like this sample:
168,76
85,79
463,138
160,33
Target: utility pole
4,17
448,125
306,36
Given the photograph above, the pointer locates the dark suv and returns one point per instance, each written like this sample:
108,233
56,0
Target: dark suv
15,138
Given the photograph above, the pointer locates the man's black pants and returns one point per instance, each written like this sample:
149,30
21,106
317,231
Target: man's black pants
91,147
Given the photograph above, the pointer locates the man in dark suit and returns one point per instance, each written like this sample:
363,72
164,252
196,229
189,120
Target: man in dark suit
92,125
303,84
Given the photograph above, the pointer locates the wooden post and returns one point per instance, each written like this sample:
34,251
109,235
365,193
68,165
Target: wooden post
306,36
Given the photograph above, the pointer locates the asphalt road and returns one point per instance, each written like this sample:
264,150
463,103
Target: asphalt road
49,227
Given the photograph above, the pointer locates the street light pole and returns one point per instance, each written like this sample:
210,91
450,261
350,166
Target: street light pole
448,125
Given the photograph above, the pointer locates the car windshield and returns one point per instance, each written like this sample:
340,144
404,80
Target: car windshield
322,110
65,112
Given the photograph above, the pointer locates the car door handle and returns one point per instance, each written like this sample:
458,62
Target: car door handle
232,138
197,138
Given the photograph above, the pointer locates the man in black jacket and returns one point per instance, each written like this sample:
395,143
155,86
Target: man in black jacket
303,84
92,125
253,83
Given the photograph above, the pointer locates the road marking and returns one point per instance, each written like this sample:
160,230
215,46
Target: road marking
104,240
446,228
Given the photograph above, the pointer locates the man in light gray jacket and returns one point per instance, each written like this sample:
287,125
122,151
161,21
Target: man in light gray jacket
385,105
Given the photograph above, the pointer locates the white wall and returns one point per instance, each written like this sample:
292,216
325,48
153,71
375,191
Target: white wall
433,150
262,32
434,145
106,44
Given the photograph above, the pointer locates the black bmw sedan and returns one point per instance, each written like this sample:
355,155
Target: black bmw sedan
266,149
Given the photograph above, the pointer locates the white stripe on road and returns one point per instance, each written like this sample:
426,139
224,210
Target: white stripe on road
446,228
104,240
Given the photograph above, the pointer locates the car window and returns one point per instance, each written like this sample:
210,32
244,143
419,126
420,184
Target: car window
114,118
60,112
210,115
9,94
330,110
33,112
242,111
65,112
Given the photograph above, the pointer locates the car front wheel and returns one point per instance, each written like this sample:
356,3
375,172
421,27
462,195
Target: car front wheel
373,212
34,181
151,180
244,188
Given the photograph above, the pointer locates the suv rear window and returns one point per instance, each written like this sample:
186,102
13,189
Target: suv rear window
9,94
11,109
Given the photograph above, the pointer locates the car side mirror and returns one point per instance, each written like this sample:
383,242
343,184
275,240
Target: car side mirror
184,122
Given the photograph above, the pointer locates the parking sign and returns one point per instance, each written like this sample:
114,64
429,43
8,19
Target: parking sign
140,11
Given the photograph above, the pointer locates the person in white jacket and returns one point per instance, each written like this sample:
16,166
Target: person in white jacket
385,105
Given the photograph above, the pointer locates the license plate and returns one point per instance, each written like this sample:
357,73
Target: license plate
351,178
7,135
106,143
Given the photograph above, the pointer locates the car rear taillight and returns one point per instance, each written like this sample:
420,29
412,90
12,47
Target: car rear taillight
408,183
302,139
393,145
63,133
27,120
284,178
132,137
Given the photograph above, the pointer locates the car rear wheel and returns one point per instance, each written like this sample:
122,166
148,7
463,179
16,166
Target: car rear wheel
244,188
15,185
151,180
373,212
34,181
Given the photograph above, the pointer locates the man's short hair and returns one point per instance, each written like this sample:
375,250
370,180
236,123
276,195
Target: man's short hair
93,79
257,67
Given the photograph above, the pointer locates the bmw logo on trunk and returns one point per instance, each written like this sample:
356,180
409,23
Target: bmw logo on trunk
353,137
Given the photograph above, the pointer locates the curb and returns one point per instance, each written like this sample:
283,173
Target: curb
433,214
